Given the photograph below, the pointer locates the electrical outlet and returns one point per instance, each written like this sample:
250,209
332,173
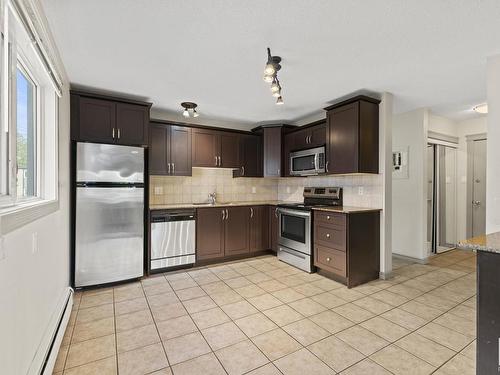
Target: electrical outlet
288,189
254,190
361,190
34,243
158,190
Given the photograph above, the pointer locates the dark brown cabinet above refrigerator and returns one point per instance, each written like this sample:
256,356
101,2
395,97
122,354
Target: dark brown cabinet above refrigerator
105,119
352,136
169,149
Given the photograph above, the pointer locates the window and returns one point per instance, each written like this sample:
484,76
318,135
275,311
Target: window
28,113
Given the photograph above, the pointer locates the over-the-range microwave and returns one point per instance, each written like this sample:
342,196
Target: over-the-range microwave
308,162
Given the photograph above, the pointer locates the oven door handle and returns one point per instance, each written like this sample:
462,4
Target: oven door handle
293,213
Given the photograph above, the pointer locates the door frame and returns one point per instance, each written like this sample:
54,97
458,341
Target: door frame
470,139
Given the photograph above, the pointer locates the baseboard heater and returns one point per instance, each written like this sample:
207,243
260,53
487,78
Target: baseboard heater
49,360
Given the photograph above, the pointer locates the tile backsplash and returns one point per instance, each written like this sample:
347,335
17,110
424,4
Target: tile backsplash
359,190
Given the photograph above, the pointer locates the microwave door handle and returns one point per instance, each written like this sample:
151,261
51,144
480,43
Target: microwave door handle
316,161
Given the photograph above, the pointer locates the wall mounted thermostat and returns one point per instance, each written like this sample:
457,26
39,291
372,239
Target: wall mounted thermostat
400,163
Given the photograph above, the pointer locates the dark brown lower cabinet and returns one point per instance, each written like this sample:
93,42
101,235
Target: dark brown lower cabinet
209,233
259,228
273,228
236,231
347,245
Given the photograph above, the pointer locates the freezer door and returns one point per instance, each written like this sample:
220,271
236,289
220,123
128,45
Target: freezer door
109,163
109,234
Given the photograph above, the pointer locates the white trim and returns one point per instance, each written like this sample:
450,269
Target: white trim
412,259
21,214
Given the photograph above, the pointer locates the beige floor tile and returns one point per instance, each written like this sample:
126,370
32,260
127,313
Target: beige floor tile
328,300
238,282
68,334
239,309
152,290
302,362
423,286
373,305
445,336
405,291
241,357
256,324
464,312
90,351
287,295
206,279
61,359
177,275
227,275
272,285
94,313
308,290
439,303
97,299
161,313
276,344
404,319
426,312
190,293
327,284
265,301
175,327
470,351
291,281
331,321
162,299
186,347
258,277
199,304
305,331
458,365
182,284
390,298
133,320
226,298
307,306
209,318
136,338
269,369
283,315
462,325
362,340
368,289
425,349
401,362
223,335
336,353
125,293
131,305
348,295
217,287
142,361
206,364
353,312
250,291
153,279
93,329
105,366
366,367
385,329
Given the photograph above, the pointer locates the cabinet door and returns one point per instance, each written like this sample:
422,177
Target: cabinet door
273,218
259,228
97,120
272,152
209,233
158,149
343,151
317,135
205,148
236,228
300,140
180,151
229,150
132,124
251,155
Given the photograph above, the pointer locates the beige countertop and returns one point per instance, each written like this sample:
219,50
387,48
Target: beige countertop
345,209
488,242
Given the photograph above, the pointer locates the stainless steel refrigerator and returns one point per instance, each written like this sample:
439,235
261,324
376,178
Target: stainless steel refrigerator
109,224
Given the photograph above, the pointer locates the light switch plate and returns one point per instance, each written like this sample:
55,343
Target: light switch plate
361,190
34,242
254,190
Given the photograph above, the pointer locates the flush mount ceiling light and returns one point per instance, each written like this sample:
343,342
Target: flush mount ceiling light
271,75
189,109
481,108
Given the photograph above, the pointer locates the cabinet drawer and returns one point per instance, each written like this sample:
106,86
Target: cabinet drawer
330,236
330,260
330,218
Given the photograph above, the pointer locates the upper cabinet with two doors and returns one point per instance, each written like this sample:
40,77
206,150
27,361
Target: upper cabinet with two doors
104,119
213,148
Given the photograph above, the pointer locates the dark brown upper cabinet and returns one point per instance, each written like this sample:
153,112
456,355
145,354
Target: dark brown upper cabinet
169,150
212,148
105,119
310,137
353,136
250,156
273,147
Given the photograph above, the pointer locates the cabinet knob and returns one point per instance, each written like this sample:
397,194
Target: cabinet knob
328,259
328,218
328,235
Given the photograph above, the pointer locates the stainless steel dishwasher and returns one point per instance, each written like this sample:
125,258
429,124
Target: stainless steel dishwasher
173,238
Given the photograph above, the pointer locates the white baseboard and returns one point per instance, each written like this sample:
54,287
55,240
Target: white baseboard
411,259
46,355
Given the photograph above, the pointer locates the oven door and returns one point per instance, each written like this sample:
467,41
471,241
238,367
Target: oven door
294,230
307,162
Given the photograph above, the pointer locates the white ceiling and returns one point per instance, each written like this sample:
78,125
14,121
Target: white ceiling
428,53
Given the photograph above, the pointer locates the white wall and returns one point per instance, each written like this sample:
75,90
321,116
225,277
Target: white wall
409,195
493,151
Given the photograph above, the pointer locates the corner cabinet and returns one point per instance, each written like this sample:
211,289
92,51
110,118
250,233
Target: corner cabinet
352,136
169,149
250,156
103,119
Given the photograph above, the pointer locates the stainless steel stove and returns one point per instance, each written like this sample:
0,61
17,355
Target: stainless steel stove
295,225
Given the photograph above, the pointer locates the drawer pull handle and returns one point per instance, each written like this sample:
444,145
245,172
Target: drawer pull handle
328,235
328,259
328,218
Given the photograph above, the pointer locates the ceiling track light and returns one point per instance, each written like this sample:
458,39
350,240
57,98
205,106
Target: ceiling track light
271,75
189,109
481,108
